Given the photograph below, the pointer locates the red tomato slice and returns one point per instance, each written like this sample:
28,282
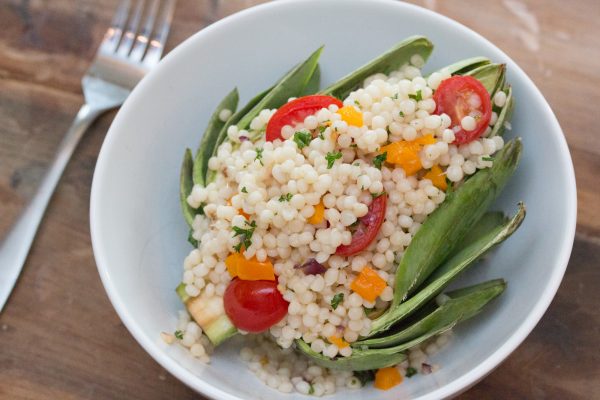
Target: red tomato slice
457,97
295,111
254,306
368,228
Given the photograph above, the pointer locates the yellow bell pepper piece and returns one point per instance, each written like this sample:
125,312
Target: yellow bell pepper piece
351,115
437,177
387,378
249,270
368,284
339,342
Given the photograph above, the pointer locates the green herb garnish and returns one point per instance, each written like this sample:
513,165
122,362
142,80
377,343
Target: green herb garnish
365,376
285,197
401,114
487,158
337,299
410,371
302,139
331,157
245,235
178,334
379,160
244,190
357,103
259,155
311,389
416,97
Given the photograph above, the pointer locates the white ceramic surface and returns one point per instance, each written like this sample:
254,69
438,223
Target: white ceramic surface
139,235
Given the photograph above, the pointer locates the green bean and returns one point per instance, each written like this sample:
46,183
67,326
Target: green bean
460,306
185,187
291,85
443,230
468,253
489,75
389,61
463,66
211,134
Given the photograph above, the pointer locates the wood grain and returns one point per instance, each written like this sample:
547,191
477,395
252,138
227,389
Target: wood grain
59,336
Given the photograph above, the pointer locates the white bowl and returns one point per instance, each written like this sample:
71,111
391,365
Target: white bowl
139,235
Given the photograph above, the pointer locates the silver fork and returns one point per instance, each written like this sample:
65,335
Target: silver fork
127,52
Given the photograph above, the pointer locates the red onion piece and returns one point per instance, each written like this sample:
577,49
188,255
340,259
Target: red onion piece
312,267
425,369
243,138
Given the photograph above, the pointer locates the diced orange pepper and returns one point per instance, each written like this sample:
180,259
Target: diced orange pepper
249,270
240,211
231,262
339,342
406,153
427,139
351,115
368,284
437,177
319,214
387,378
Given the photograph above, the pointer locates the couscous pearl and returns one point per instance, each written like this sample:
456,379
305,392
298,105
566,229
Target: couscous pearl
500,99
468,123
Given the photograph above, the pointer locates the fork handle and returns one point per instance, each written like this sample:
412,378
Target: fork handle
17,243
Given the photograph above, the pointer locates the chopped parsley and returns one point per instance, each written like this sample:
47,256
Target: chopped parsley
244,190
311,389
487,158
331,157
410,371
285,197
401,114
337,299
245,235
416,97
259,155
395,97
322,129
302,139
380,159
178,334
357,103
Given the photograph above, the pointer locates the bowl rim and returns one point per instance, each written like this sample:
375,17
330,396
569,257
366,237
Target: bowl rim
446,390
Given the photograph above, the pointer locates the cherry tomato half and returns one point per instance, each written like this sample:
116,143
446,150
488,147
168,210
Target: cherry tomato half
459,96
368,228
254,306
295,111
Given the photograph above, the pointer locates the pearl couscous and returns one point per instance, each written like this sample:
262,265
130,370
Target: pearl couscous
319,211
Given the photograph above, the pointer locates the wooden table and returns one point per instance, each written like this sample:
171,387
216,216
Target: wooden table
59,336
